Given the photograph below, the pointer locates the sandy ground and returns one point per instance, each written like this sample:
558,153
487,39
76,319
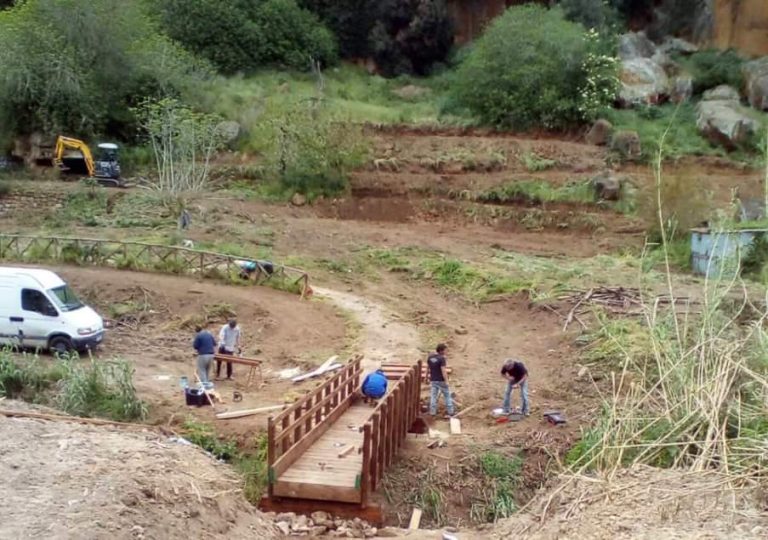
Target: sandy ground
66,480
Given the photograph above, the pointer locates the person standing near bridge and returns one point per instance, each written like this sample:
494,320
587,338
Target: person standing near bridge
229,343
205,345
438,377
516,375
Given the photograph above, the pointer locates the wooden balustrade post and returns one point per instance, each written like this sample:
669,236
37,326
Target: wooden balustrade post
286,440
365,481
270,456
374,466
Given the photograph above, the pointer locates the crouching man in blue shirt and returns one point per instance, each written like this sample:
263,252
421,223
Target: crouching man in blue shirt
374,385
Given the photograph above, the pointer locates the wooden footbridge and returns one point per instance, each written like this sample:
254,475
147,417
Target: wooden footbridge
331,446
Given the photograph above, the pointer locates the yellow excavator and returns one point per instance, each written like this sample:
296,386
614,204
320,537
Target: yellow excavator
73,156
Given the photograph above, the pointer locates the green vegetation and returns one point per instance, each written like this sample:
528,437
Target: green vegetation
538,192
76,66
244,35
82,388
532,67
472,282
670,364
250,463
503,475
711,67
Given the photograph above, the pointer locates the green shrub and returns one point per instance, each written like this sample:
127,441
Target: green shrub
204,436
532,67
75,66
710,68
410,36
311,152
244,35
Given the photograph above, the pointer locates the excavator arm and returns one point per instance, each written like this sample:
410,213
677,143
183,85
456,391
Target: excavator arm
63,143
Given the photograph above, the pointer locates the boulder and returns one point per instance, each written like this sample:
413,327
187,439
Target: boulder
322,518
681,88
635,45
229,130
721,93
643,81
756,83
607,186
298,199
600,133
673,45
626,144
725,122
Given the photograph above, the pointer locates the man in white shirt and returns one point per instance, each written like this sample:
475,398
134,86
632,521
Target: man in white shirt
229,342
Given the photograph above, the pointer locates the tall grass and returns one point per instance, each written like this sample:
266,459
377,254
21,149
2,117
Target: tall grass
86,388
697,395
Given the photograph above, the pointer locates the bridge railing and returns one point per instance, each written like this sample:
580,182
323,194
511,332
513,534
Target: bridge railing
129,255
296,428
385,431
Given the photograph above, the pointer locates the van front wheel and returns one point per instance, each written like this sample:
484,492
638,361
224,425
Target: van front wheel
60,345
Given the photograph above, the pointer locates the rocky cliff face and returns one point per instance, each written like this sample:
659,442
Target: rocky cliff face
741,24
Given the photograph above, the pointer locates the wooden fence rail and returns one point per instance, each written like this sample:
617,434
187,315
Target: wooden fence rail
144,256
294,430
385,431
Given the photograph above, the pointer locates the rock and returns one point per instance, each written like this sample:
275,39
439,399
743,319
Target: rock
461,331
627,144
284,527
286,516
673,45
681,89
635,45
318,530
391,532
721,93
301,522
607,186
756,83
725,123
411,92
322,518
600,133
298,199
583,372
229,130
643,81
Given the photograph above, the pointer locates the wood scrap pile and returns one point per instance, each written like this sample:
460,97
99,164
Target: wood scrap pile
616,300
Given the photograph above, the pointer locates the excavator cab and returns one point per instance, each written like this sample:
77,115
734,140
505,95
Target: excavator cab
107,164
73,156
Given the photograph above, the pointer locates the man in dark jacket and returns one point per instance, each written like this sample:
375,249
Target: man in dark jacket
438,377
516,375
205,345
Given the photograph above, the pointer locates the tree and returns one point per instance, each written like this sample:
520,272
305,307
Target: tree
532,67
350,20
77,66
183,142
245,35
410,36
598,14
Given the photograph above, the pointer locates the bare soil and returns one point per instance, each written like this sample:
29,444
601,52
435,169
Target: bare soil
67,480
407,197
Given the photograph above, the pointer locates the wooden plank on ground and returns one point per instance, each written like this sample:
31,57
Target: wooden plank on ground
248,412
415,519
346,451
455,426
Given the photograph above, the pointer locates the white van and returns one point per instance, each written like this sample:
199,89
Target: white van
39,310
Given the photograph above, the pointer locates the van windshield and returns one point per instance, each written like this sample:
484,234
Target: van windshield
65,298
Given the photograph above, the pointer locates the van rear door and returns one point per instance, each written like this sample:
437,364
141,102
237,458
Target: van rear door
10,314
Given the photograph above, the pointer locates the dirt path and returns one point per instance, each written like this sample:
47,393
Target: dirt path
383,337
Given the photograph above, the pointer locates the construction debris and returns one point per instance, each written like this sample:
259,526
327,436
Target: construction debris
347,450
554,417
455,426
248,412
327,366
415,519
618,300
